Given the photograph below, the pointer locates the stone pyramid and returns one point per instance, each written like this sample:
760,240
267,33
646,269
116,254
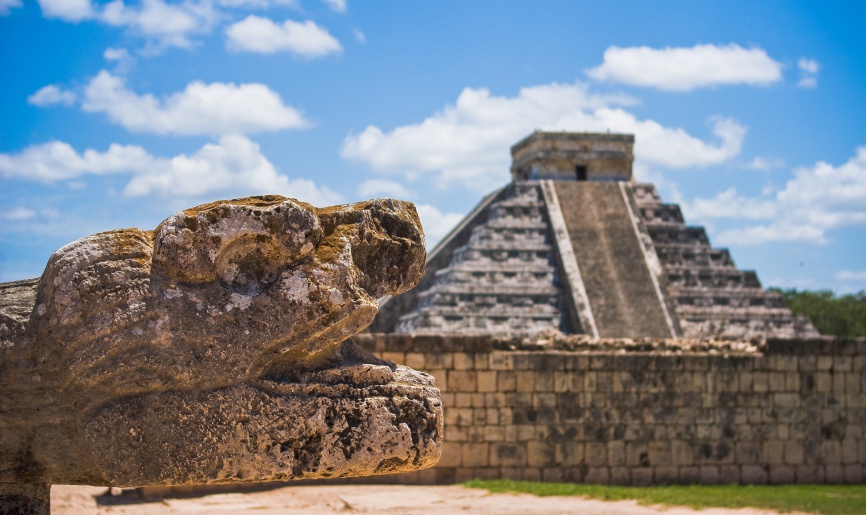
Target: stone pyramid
574,244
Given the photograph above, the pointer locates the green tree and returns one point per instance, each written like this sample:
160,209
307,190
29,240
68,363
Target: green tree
832,315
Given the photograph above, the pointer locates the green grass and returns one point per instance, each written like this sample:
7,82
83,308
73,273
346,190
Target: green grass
824,499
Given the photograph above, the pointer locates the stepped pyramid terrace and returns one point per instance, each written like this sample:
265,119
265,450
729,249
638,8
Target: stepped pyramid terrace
574,243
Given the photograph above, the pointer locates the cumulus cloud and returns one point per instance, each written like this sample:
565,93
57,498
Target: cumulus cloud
764,164
51,95
17,214
234,166
263,36
684,69
467,143
383,188
728,204
436,224
7,5
120,58
215,108
57,160
807,82
808,65
67,10
851,275
808,72
116,54
168,24
257,4
162,24
338,6
814,201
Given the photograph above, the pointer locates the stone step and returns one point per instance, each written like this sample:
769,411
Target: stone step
693,257
662,214
501,279
682,278
621,293
662,234
503,291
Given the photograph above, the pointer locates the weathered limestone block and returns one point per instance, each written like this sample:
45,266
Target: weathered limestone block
212,350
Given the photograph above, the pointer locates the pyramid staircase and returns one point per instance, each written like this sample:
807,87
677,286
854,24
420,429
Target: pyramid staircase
574,244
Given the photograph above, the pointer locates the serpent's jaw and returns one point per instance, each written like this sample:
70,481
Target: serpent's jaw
361,417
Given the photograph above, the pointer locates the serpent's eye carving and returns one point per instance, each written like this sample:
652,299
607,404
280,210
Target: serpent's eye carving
245,247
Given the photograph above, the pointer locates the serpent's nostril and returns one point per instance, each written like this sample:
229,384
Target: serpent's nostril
249,263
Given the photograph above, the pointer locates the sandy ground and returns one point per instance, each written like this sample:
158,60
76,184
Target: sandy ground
343,499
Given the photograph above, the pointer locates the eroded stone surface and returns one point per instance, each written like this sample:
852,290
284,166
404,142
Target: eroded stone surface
214,349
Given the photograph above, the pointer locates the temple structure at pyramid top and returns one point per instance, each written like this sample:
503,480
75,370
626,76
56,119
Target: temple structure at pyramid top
571,156
573,243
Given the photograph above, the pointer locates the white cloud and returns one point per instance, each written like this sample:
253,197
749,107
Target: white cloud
51,95
807,82
359,36
684,69
7,5
257,4
808,65
233,166
17,214
808,72
764,164
168,25
121,59
467,143
173,23
781,231
379,187
338,6
851,275
435,223
57,160
116,54
816,200
22,214
162,24
67,10
216,108
728,204
261,35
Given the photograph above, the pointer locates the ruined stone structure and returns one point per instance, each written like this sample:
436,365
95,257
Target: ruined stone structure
580,331
213,350
574,244
637,413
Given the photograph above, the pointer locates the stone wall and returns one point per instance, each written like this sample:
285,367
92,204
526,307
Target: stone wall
791,411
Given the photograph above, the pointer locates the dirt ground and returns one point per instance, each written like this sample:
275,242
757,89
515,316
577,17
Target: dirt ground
343,499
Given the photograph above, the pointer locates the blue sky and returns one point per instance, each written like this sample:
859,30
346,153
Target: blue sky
752,115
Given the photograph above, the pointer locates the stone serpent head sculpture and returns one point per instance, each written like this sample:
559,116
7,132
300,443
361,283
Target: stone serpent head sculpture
214,349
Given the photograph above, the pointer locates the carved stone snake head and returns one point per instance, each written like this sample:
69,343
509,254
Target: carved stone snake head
223,292
213,349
